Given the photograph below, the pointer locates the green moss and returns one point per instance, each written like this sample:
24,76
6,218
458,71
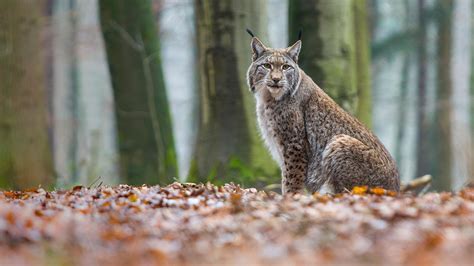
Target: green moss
236,171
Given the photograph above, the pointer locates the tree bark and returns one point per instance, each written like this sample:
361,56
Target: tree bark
65,92
335,50
25,153
402,121
423,158
471,166
442,165
463,157
146,145
362,62
227,145
248,15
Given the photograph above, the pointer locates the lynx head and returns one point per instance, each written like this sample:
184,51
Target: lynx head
275,70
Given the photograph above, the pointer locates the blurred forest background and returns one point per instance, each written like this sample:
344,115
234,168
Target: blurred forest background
152,91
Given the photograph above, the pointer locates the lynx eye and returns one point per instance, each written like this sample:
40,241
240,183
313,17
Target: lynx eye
286,67
267,65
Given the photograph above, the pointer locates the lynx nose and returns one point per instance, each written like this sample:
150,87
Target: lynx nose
276,79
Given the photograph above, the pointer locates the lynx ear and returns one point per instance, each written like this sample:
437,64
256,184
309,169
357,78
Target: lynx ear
294,50
257,48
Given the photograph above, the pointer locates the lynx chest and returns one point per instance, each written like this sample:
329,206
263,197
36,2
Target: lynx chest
267,123
280,124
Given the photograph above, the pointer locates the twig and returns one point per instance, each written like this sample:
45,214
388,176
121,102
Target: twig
418,185
93,182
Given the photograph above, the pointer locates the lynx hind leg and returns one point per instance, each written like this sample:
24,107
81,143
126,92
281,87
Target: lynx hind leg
347,162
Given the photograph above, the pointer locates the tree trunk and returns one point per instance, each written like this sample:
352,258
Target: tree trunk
248,15
463,158
227,144
25,153
65,93
442,165
362,62
335,51
83,112
146,144
402,121
471,166
423,155
277,13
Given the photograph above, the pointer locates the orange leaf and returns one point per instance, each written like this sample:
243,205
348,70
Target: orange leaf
391,193
133,197
321,198
9,194
378,191
359,190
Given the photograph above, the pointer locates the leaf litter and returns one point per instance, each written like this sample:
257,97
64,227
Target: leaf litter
188,224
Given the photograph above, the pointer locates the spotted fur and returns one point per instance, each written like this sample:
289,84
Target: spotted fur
315,142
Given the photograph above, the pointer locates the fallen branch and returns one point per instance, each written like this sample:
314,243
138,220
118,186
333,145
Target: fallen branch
417,186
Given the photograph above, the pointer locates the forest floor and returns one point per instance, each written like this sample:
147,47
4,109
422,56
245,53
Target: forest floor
187,224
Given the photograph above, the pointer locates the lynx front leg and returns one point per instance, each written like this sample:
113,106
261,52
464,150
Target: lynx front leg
294,168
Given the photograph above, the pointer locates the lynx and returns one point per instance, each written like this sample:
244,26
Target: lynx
316,143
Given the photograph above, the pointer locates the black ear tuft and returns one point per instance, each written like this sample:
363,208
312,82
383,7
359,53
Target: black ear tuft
300,33
250,32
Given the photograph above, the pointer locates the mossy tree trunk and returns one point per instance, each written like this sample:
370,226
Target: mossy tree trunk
249,15
227,145
335,51
146,145
362,62
25,152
